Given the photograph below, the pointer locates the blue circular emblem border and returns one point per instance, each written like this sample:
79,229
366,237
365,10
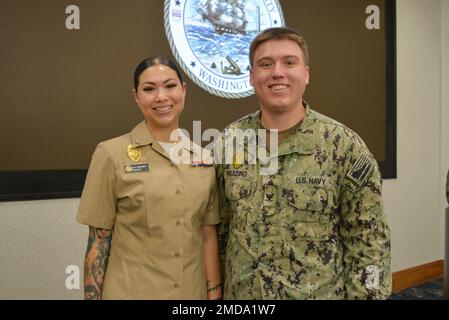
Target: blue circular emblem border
168,5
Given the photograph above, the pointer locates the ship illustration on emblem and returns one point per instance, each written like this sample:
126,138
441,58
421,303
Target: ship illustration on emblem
226,16
210,39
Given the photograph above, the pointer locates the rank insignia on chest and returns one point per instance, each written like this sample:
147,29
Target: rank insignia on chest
135,168
134,154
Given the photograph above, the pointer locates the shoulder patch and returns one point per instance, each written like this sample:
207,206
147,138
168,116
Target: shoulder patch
361,170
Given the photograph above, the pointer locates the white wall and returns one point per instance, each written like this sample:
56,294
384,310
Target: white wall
414,200
39,239
445,92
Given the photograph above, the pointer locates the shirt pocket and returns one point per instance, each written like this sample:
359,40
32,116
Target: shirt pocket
238,193
131,198
305,213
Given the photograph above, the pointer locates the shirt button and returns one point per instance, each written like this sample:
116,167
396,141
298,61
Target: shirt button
178,223
178,191
177,254
176,285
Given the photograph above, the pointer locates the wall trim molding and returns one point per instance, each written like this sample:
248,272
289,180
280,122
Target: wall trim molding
411,277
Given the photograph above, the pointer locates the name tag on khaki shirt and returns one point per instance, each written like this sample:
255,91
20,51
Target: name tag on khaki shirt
137,168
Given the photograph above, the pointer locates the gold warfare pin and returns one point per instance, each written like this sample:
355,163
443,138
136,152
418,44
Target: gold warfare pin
238,160
134,153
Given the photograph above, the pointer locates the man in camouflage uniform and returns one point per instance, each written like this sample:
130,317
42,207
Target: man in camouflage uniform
315,228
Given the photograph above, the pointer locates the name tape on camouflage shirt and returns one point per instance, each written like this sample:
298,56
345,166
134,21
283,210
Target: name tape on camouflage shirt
317,181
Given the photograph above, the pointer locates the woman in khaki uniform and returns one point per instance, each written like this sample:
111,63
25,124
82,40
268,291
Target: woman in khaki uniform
152,232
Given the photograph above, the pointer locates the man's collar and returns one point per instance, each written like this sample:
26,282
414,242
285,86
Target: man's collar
308,119
306,122
294,143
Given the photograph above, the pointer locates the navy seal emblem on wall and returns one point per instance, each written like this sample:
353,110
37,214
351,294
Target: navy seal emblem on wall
210,40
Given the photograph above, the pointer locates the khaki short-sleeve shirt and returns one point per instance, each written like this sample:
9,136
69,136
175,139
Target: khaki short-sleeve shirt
156,209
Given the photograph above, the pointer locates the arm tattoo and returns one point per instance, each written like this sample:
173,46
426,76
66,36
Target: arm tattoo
212,289
96,262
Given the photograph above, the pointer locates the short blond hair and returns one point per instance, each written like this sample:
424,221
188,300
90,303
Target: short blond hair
283,33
